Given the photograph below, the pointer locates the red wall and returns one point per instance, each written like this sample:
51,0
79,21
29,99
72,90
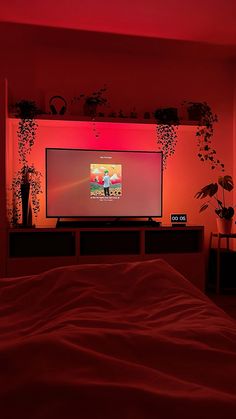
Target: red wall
139,72
3,218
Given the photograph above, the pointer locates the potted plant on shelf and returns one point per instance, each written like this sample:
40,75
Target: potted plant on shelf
91,102
26,183
201,113
167,125
224,213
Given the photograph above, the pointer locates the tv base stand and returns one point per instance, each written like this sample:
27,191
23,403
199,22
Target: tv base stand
117,222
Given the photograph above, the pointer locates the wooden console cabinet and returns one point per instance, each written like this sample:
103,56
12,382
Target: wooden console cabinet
35,250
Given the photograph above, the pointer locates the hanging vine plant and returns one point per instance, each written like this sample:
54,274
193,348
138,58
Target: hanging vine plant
202,113
167,127
27,175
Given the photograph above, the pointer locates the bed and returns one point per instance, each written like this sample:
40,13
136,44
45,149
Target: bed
114,341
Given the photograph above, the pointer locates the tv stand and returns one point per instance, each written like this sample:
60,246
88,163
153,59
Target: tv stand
38,249
117,222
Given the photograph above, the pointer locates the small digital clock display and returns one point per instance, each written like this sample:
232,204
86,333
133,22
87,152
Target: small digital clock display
178,218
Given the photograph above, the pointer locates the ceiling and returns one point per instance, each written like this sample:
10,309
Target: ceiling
210,21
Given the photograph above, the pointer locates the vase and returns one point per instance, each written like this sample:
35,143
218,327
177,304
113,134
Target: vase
224,226
26,208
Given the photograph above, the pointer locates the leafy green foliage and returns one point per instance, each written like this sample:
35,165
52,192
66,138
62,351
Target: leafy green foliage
226,182
97,97
26,109
91,101
167,140
26,134
211,190
204,133
208,190
27,174
167,127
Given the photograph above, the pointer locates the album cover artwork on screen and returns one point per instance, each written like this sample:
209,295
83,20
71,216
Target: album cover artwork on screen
105,181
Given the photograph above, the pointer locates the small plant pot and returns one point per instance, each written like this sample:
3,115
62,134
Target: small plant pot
166,116
194,114
90,109
224,226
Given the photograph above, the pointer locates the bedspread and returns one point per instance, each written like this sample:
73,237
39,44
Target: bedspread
114,341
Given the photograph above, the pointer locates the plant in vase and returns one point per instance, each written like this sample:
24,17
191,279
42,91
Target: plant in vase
224,213
26,183
167,125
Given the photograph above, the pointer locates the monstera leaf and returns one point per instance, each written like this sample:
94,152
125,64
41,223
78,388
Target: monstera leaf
208,190
212,191
226,182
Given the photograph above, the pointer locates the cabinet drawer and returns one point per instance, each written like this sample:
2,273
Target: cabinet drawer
38,244
109,242
173,241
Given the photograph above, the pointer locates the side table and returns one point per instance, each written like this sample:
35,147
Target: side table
220,237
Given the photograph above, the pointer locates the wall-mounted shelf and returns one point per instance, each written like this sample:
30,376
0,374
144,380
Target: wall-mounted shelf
82,118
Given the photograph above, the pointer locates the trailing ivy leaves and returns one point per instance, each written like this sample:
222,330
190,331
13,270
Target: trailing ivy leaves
167,127
27,174
202,113
26,133
167,140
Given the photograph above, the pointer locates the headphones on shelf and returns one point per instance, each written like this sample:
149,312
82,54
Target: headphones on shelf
53,108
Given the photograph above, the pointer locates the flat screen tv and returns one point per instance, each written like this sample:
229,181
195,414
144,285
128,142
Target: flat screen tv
103,183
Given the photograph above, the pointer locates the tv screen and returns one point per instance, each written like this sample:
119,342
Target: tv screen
103,183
